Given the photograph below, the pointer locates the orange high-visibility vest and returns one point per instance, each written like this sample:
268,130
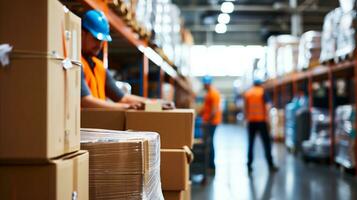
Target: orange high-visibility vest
95,78
255,105
212,100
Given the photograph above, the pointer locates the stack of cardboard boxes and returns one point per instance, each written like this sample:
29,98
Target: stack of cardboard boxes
40,155
176,134
123,165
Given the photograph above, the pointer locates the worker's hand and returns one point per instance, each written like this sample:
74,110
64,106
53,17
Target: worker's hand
168,105
137,106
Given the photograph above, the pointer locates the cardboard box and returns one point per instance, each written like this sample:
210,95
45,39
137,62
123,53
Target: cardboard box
39,96
60,179
187,193
175,169
180,194
174,126
123,165
39,110
103,119
174,195
40,28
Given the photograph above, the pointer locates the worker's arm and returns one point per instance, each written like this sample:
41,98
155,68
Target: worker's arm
92,102
129,98
88,101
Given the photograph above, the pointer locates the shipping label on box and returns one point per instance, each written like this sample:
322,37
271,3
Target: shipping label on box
174,126
62,178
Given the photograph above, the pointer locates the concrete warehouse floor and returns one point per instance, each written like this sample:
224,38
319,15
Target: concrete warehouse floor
295,179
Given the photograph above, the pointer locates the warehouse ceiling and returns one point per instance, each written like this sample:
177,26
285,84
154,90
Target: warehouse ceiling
252,21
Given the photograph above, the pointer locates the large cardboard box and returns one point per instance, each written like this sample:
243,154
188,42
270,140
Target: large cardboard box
60,179
175,169
41,121
103,119
174,195
39,94
174,126
187,193
40,28
123,165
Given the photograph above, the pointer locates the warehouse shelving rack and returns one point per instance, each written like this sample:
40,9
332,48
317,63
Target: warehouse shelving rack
145,52
279,88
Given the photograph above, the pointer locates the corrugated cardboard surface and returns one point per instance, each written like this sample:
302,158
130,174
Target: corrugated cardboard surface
174,169
123,165
39,110
117,169
175,126
59,179
103,118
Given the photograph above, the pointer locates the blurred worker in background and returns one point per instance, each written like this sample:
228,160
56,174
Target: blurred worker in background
211,115
97,83
256,111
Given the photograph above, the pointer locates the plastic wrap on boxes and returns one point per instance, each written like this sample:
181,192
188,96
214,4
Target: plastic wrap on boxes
318,146
346,38
290,120
123,165
345,136
309,50
282,55
329,35
277,123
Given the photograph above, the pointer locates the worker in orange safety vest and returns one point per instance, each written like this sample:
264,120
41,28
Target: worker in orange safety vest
212,117
97,83
256,110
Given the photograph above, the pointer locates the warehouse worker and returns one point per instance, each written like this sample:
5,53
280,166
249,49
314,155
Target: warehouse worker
256,115
211,115
97,83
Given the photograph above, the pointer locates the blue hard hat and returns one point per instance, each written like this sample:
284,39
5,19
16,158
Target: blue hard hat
207,80
258,82
97,24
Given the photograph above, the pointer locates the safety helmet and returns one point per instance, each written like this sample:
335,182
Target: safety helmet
258,82
207,80
97,24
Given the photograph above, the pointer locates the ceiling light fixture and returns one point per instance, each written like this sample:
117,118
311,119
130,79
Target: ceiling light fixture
221,28
227,7
224,18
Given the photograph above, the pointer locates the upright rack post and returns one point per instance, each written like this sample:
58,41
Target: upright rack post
332,114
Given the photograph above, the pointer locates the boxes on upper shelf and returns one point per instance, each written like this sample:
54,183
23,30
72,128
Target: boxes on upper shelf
174,126
103,118
123,165
40,93
62,178
175,168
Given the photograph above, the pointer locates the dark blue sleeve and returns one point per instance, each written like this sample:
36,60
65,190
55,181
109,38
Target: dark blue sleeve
111,89
84,87
266,98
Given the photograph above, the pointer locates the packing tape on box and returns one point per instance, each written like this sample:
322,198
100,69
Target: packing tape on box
189,153
6,55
